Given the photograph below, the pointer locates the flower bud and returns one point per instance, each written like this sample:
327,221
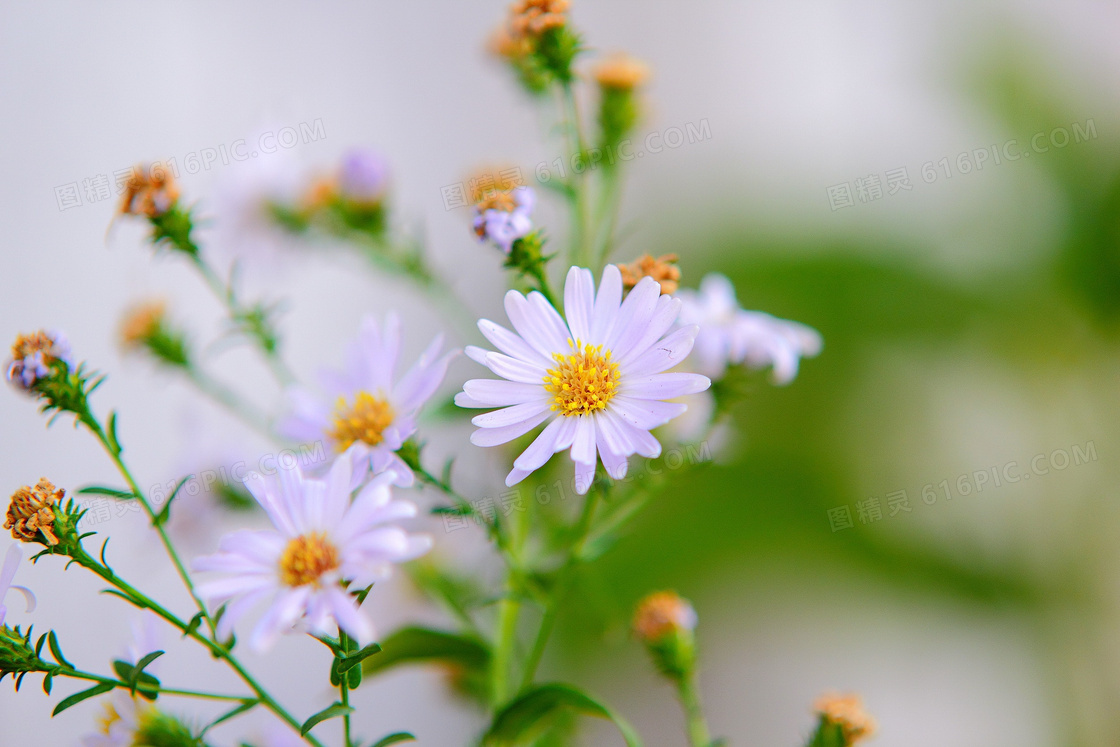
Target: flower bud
150,192
843,715
31,513
17,654
663,269
145,327
618,77
538,43
34,357
665,623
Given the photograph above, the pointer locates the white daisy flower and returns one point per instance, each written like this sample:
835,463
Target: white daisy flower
598,378
322,541
730,336
121,722
368,412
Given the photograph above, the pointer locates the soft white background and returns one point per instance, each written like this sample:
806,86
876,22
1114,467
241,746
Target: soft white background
798,96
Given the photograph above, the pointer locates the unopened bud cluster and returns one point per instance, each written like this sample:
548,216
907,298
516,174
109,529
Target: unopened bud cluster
665,623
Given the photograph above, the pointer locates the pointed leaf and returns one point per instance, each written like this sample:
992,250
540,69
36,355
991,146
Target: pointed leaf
98,689
400,736
245,706
56,652
348,662
102,490
332,711
530,711
417,645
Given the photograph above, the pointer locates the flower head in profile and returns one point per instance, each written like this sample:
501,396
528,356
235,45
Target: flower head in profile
368,411
845,711
34,354
730,335
7,574
663,613
322,544
150,191
503,216
363,177
31,512
598,378
621,72
663,269
128,720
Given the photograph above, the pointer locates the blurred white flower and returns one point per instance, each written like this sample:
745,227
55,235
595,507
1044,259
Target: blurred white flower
321,541
368,412
599,376
730,335
121,722
7,574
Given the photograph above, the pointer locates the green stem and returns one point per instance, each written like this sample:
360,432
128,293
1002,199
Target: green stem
698,734
573,128
144,687
114,452
228,399
508,610
82,558
237,311
573,559
344,691
608,214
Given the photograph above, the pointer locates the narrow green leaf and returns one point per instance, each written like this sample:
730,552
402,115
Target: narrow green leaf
131,600
346,663
138,670
98,689
332,711
400,736
56,652
232,713
165,512
47,681
530,711
112,432
192,626
102,490
417,645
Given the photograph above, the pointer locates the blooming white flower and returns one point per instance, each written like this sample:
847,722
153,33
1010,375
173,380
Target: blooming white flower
598,377
729,335
503,217
321,541
7,575
370,413
119,727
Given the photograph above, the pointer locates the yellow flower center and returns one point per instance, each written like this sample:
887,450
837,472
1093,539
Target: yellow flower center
364,421
307,558
107,719
583,381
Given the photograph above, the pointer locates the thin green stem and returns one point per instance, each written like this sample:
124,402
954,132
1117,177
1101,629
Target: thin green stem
228,399
114,452
608,214
239,314
344,691
698,734
147,688
573,129
508,610
141,600
573,559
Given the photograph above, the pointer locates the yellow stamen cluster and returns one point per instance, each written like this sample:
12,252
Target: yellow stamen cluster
582,382
150,192
621,72
660,614
846,711
663,269
30,513
365,420
307,558
142,322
